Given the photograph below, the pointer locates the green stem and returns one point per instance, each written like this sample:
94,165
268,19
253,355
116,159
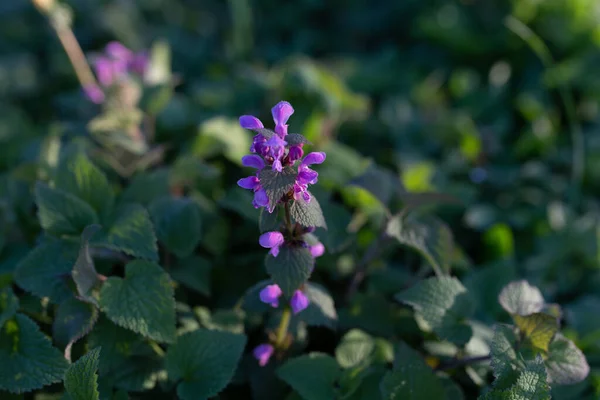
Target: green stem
283,326
288,218
157,349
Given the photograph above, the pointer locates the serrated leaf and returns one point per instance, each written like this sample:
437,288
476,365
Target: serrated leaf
142,301
126,361
194,273
177,223
308,214
528,384
291,268
61,213
77,175
73,320
277,184
502,350
355,349
46,270
203,362
29,361
9,304
426,234
321,309
131,232
521,299
268,222
411,378
81,379
539,328
312,375
566,364
443,304
84,273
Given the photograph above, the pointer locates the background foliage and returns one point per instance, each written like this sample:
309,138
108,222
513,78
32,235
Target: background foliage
482,117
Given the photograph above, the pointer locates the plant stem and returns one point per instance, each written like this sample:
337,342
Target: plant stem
288,218
157,349
76,56
283,326
463,362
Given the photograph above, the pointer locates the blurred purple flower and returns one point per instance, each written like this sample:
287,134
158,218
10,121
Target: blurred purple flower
276,151
253,161
94,93
317,250
270,295
263,353
281,113
295,153
271,240
307,176
299,301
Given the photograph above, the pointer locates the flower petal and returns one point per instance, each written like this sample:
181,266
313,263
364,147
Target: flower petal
314,158
269,240
94,93
270,295
299,301
117,51
281,113
250,122
104,71
250,182
317,250
253,161
263,353
260,198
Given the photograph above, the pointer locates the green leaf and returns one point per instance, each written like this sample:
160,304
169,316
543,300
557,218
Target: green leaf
269,221
46,270
81,379
452,389
312,375
277,184
355,349
74,319
308,214
142,301
29,361
61,213
9,304
219,136
177,223
566,364
203,362
321,309
126,361
146,187
84,273
411,378
503,350
539,328
131,232
530,384
78,176
291,268
521,299
443,304
194,273
426,234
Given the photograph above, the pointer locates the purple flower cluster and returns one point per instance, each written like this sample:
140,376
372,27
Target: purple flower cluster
115,64
274,151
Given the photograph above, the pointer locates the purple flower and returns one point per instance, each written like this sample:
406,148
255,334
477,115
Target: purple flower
260,199
276,151
307,176
94,93
250,122
138,64
295,153
263,353
104,71
271,240
281,113
317,250
299,301
253,161
270,295
117,51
